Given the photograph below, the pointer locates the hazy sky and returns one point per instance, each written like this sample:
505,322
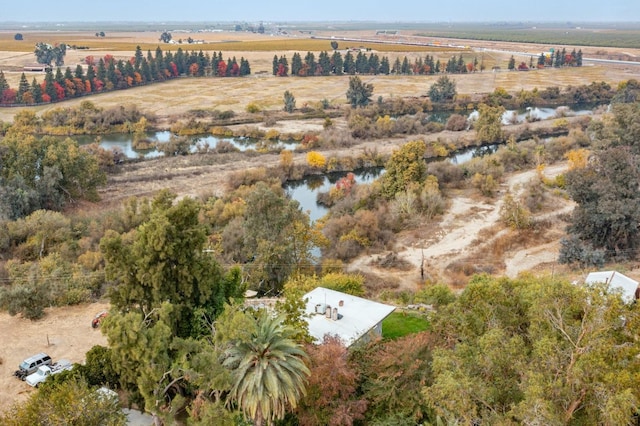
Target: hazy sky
334,10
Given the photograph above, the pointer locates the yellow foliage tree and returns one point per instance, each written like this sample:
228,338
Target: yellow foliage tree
316,159
286,160
385,125
577,158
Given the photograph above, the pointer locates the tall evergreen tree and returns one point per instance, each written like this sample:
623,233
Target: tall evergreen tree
68,75
23,87
384,66
169,248
310,63
180,61
91,75
129,71
36,91
397,65
374,64
337,63
49,87
60,77
138,57
349,64
146,71
362,63
245,67
359,93
579,58
79,73
324,62
3,83
112,76
296,64
102,71
404,68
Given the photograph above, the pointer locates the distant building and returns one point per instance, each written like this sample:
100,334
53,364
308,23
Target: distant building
37,68
616,281
351,318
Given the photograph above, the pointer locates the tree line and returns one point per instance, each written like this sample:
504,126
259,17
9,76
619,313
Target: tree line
361,63
107,74
555,58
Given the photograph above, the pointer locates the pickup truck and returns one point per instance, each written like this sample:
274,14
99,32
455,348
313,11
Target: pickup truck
45,371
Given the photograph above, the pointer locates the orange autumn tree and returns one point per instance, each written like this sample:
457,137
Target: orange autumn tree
331,390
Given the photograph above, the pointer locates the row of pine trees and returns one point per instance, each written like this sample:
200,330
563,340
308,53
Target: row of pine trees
362,63
108,74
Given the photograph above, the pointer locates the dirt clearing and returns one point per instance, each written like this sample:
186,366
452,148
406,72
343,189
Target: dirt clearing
63,333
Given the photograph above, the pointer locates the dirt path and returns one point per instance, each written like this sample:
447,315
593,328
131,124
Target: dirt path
63,333
458,233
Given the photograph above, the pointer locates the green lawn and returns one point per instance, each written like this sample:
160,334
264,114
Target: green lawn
400,324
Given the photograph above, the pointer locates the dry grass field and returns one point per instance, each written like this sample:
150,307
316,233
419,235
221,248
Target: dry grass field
176,97
179,96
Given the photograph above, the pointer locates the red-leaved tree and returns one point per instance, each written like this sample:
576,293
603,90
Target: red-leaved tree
282,71
8,96
193,69
174,69
60,92
222,69
331,391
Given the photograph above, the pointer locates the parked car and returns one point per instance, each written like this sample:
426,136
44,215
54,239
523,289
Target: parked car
45,371
31,364
95,322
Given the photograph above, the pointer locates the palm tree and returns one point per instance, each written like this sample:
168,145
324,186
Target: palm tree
268,371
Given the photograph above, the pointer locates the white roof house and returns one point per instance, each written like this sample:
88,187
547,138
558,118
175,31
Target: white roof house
351,318
615,281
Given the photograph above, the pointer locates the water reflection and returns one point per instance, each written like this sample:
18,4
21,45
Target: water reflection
125,143
306,191
467,154
523,115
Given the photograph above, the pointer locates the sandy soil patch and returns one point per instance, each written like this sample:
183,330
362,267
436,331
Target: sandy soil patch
62,333
459,233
